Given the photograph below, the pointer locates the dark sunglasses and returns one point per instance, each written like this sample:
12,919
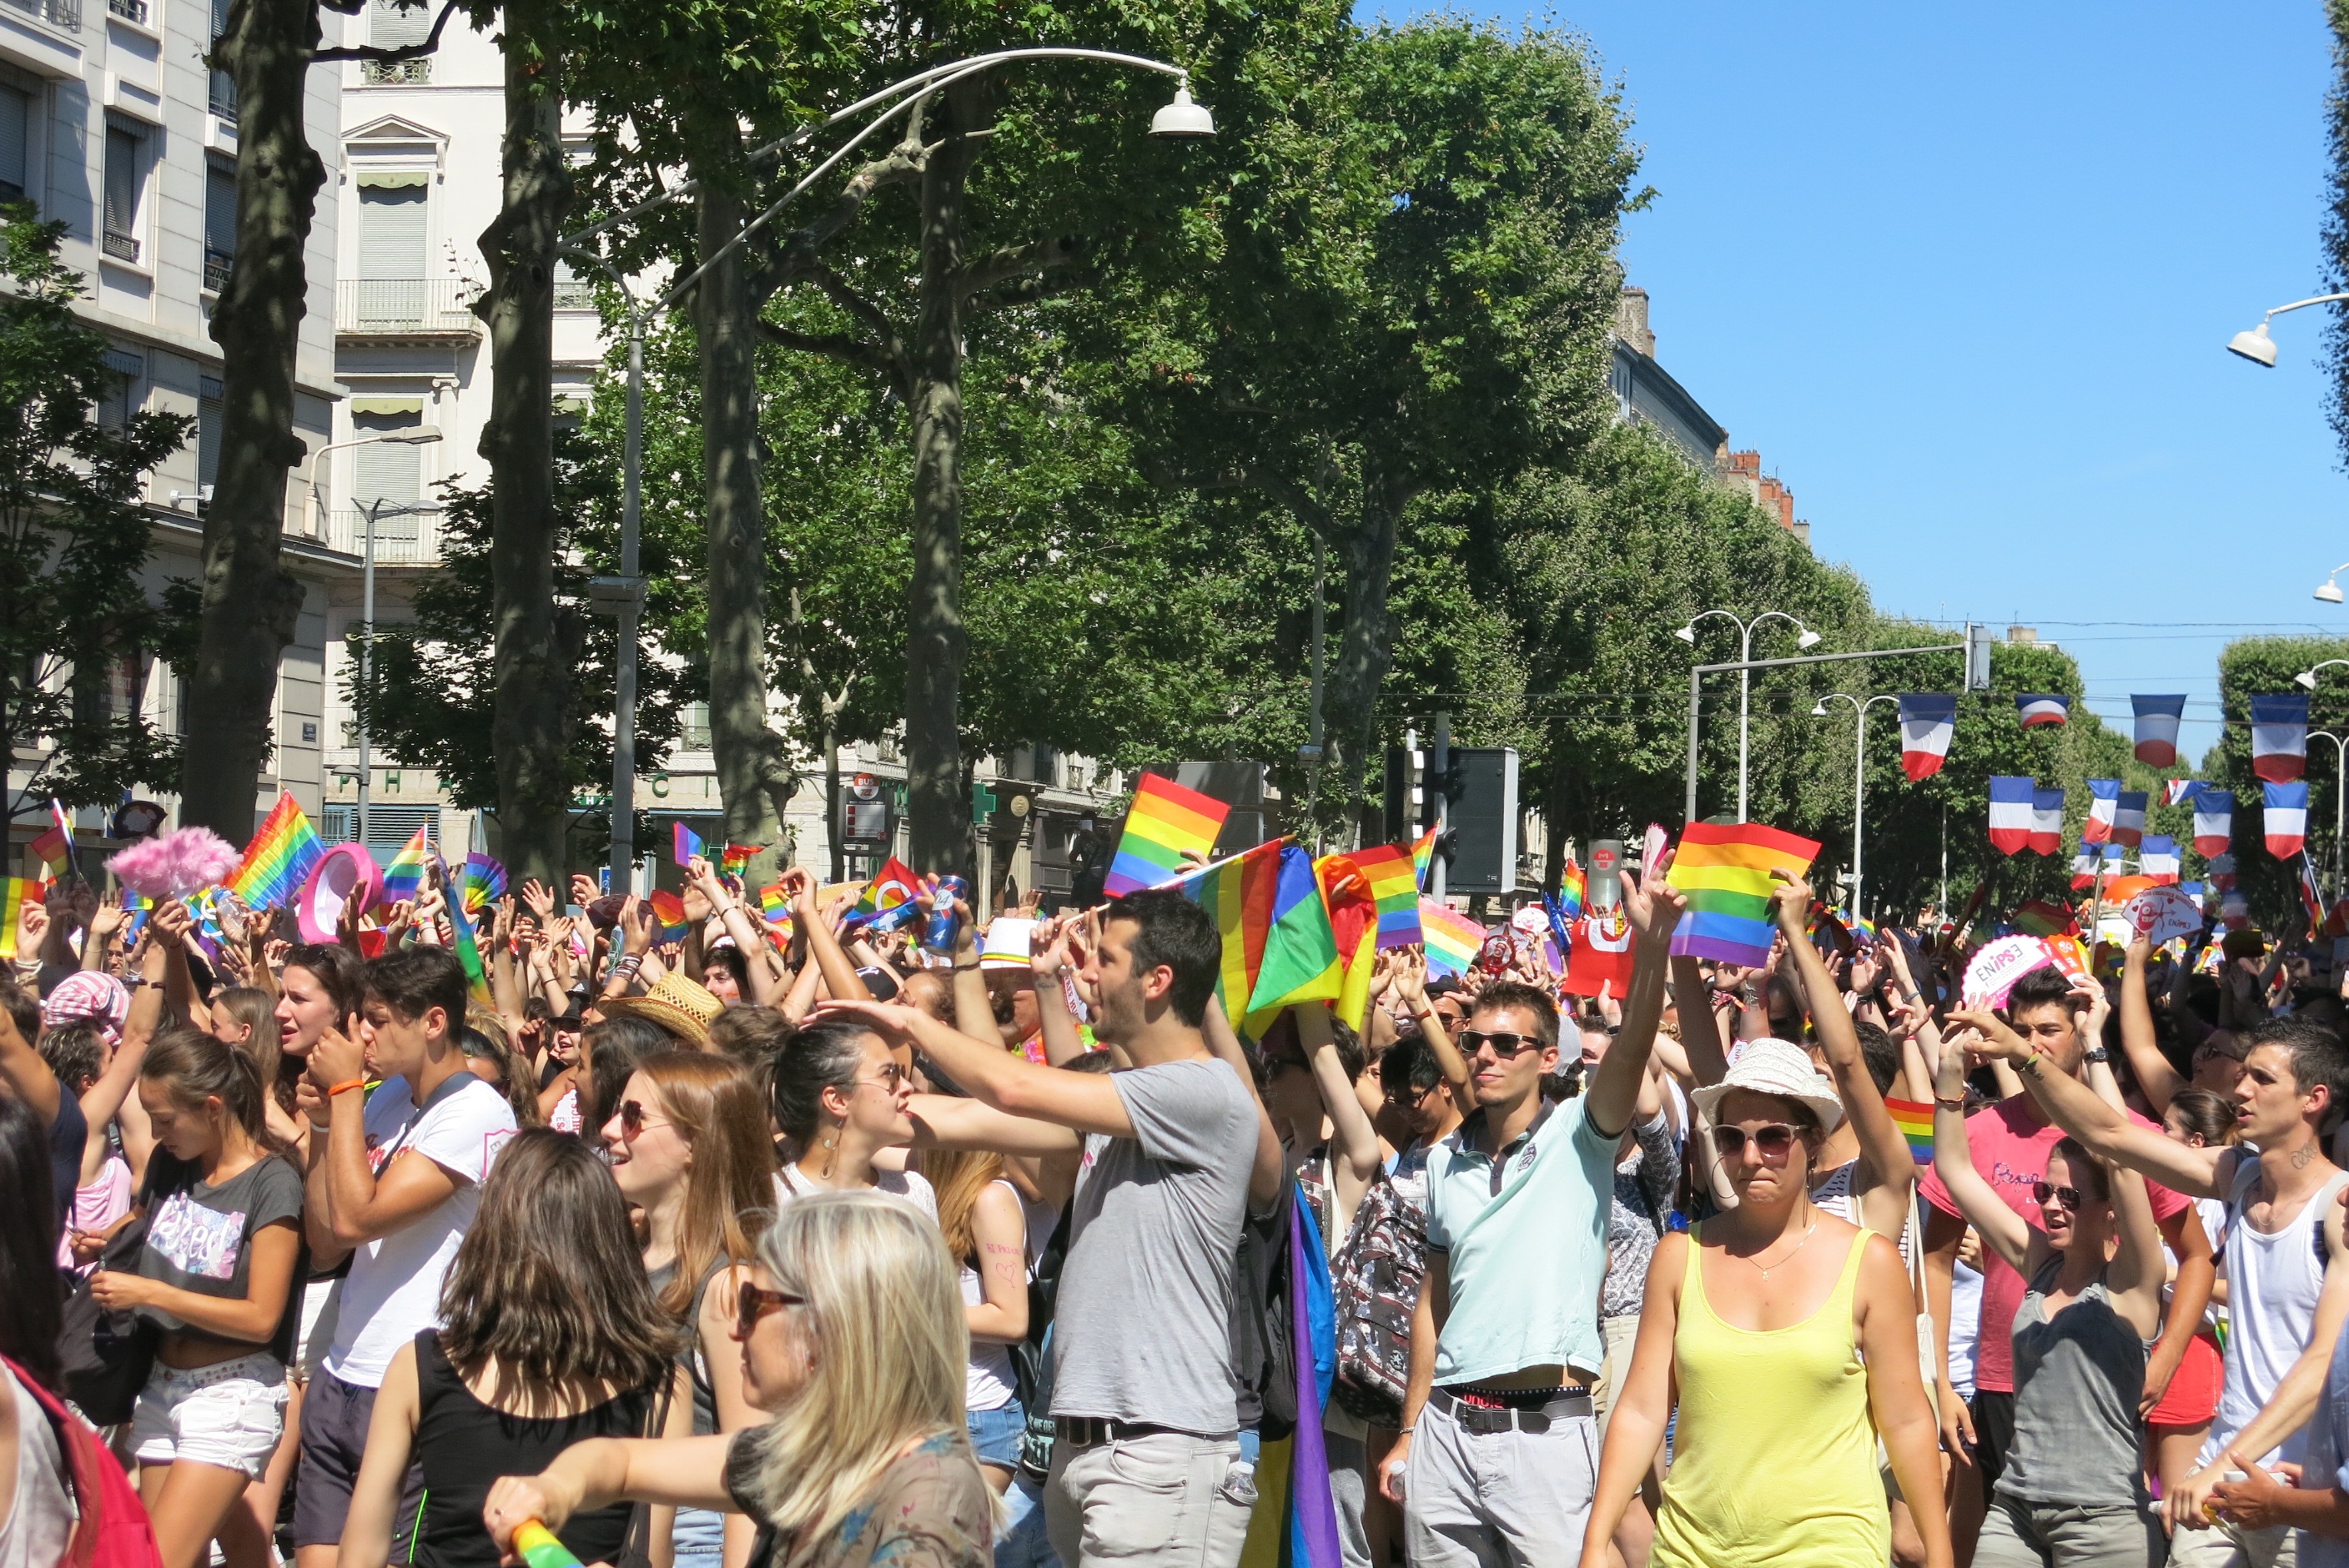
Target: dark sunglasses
1507,1046
1775,1140
754,1303
632,1118
892,1075
2068,1197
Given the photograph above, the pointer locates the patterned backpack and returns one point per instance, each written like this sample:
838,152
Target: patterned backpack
1377,1275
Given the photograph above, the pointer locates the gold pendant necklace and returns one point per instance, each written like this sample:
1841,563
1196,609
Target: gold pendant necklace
1781,1262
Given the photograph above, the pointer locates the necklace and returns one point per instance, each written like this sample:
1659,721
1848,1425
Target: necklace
1781,1262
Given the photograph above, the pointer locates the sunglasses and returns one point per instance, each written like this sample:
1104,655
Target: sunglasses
1775,1140
755,1303
892,1075
632,1119
2067,1197
1507,1046
1407,1094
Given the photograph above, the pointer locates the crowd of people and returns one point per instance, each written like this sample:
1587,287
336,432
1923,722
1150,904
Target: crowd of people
738,1245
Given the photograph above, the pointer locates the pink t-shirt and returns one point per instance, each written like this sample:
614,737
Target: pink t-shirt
2011,1145
95,1207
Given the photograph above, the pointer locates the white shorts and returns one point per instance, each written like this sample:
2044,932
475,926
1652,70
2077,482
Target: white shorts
230,1414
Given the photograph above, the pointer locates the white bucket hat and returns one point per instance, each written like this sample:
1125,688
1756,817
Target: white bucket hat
1776,1067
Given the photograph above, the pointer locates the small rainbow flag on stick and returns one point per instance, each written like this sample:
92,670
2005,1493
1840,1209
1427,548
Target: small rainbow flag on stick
1916,1124
734,859
16,893
1724,870
537,1547
668,915
1164,820
1422,854
1453,939
1573,887
684,843
1394,882
280,858
54,849
404,875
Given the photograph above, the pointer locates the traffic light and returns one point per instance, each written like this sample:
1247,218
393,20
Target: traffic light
1403,813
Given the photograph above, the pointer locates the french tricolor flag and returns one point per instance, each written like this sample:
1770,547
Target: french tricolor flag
1926,721
2178,791
2085,864
2103,801
2012,800
2128,818
2046,821
2279,736
2223,871
2042,707
2286,826
2234,911
2158,858
2156,728
2214,822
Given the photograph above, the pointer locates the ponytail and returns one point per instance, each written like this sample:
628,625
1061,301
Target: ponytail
194,1066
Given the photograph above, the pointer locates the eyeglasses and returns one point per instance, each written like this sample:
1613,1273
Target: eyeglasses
1408,1094
2067,1197
2206,1052
1507,1046
1774,1140
753,1304
632,1119
892,1075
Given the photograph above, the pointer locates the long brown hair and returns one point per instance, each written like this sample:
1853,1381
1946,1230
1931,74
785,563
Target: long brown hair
714,1102
194,1066
549,1280
959,1176
258,1011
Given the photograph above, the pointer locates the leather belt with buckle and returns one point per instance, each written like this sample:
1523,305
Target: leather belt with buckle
1484,1421
1092,1432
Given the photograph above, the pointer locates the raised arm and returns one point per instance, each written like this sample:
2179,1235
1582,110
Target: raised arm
2003,1230
2154,1074
1708,1059
1411,981
1087,1103
1655,912
1355,1147
1049,957
1883,1151
1268,1172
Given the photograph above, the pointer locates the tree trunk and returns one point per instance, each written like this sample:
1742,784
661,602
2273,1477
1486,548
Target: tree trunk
753,777
938,798
1366,553
249,602
531,678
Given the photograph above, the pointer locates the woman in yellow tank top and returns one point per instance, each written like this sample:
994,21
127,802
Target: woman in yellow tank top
1787,1339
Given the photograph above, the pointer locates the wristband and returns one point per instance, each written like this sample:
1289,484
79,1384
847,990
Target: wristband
346,1086
1952,1104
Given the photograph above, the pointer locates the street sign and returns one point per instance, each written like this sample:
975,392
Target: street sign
864,821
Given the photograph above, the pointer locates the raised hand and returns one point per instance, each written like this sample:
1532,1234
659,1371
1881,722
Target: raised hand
1654,907
32,926
540,899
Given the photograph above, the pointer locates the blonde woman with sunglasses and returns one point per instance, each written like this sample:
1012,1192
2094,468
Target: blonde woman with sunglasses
1786,1338
853,1338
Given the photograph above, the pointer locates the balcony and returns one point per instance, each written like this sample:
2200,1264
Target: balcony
118,247
406,310
222,95
401,538
63,15
413,73
574,293
129,10
216,269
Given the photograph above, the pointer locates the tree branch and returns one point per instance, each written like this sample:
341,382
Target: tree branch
1028,291
405,51
983,273
832,346
793,255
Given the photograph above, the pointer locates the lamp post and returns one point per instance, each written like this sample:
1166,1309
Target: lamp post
1858,775
2340,794
389,438
1807,639
2257,347
624,595
376,511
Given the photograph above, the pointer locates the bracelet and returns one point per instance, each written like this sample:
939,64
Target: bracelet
968,968
346,1086
1403,1431
1958,1104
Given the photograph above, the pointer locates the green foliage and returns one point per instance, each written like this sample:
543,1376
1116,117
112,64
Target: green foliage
2264,666
77,630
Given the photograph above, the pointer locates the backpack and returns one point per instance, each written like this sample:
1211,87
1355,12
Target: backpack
1377,1275
112,1530
104,1357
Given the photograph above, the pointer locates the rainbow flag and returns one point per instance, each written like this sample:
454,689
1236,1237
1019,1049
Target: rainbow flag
1573,887
468,951
684,843
669,924
735,859
772,906
1453,939
1724,870
484,883
54,849
280,859
1295,1521
1916,1124
1860,926
537,1547
2041,917
1423,855
1299,961
1164,820
1239,893
888,901
1394,879
16,893
404,875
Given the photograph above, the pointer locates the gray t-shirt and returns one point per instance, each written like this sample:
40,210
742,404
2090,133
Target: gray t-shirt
1143,1329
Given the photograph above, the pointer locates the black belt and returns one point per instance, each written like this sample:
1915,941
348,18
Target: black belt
1092,1431
1484,1421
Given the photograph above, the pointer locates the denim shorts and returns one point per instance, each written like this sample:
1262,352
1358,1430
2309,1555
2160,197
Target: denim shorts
995,1434
230,1414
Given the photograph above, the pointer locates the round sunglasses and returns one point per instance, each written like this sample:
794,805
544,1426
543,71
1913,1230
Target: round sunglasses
1774,1140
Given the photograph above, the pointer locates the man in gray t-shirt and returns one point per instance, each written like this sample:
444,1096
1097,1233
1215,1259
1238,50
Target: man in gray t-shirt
1146,1459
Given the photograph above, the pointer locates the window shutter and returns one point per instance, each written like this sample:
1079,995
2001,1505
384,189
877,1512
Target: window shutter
388,474
16,135
391,233
220,209
121,182
391,26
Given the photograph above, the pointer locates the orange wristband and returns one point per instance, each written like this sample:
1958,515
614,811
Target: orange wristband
346,1085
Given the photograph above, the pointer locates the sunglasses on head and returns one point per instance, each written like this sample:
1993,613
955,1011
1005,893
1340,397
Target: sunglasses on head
2067,1197
1507,1046
1775,1140
753,1304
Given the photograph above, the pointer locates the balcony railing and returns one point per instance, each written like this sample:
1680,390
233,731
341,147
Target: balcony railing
223,97
401,537
216,269
121,247
406,307
574,293
63,15
129,10
413,73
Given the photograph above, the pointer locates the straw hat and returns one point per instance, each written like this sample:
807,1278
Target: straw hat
1775,1068
684,1007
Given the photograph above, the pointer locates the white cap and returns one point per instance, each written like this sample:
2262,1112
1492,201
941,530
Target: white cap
1776,1067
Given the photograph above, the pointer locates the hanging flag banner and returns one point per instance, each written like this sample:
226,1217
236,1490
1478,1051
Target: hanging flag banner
2157,858
2178,791
2286,823
2214,822
2010,800
2041,707
2223,871
2279,736
2156,728
2104,800
1928,719
2046,821
2109,858
2128,818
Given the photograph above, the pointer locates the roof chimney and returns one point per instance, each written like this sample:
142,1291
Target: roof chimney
1631,320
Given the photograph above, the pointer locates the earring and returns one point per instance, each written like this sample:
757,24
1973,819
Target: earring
831,1146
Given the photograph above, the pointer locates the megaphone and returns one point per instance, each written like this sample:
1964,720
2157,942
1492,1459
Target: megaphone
344,875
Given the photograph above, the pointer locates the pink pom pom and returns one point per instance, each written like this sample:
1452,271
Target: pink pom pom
176,864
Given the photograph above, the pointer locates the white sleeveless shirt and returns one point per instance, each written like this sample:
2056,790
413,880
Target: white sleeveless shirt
2273,1284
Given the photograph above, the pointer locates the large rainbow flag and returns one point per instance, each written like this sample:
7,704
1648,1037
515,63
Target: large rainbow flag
404,877
1394,879
1453,939
1295,1523
1239,893
1165,821
16,893
1724,868
1299,961
281,857
1354,926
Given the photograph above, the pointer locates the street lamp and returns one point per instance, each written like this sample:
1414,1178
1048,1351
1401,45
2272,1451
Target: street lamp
423,437
2257,347
2329,591
1858,775
2307,678
1808,639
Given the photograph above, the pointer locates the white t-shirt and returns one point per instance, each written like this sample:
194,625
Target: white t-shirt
911,1186
393,1293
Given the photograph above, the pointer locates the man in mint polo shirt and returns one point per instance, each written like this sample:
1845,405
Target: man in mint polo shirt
1499,1448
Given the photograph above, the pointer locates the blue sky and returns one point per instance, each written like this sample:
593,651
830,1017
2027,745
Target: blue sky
1965,275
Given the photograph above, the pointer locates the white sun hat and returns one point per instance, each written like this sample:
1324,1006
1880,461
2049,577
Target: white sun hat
1776,1067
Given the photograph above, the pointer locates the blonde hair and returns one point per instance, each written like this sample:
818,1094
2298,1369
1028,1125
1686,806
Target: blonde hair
892,1347
960,1177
